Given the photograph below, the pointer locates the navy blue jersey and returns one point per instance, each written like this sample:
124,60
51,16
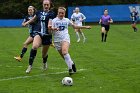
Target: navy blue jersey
33,27
43,19
134,16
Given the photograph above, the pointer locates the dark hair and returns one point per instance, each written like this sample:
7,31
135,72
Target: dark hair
106,9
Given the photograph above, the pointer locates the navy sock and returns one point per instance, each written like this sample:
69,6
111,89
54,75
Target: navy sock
105,37
23,52
45,59
32,56
102,36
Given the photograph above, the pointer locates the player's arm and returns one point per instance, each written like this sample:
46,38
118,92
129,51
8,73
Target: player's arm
100,21
83,17
79,27
23,22
111,20
30,21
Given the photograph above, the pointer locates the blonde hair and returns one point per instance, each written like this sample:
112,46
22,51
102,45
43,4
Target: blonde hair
63,8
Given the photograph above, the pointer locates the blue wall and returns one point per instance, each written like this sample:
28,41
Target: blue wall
117,12
10,22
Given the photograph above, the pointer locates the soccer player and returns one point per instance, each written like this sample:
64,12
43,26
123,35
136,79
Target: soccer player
105,25
134,17
43,37
61,37
78,18
32,30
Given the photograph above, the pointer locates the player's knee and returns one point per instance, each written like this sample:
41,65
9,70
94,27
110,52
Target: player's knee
35,47
64,51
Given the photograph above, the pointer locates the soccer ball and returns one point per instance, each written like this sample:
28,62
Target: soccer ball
67,81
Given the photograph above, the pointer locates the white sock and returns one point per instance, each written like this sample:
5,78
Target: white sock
68,61
83,35
77,35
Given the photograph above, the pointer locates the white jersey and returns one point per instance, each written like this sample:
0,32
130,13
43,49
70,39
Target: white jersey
77,18
62,34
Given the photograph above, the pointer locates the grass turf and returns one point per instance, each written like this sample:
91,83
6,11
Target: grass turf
111,67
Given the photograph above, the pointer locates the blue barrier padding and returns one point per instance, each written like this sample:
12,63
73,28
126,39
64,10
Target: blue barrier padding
117,12
10,22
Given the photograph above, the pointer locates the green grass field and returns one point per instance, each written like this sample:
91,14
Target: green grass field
111,67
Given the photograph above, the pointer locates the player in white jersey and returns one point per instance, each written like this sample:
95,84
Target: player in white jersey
78,18
61,37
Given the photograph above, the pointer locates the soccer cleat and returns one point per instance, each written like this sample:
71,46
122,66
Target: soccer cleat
52,45
78,40
84,40
45,66
18,58
74,67
29,69
70,72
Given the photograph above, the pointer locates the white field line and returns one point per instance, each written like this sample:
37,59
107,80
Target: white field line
24,77
7,66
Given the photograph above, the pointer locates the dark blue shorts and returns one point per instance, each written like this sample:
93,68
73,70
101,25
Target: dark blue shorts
107,27
134,22
46,39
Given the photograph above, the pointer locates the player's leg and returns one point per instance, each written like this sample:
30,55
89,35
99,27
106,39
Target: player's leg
107,27
77,35
134,26
82,34
36,44
102,33
24,49
67,58
45,49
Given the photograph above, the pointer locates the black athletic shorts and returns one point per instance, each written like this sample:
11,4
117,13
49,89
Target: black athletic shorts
46,39
107,27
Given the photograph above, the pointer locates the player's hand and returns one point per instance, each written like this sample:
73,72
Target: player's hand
88,27
56,29
25,24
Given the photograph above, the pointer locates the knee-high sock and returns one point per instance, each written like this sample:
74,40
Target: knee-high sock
102,36
68,61
32,56
105,37
45,59
77,35
83,35
23,52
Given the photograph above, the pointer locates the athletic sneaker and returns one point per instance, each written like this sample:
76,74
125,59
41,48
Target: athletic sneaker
18,58
73,67
71,72
78,40
84,40
29,69
45,66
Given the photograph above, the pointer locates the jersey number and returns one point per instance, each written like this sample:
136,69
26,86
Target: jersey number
43,18
61,28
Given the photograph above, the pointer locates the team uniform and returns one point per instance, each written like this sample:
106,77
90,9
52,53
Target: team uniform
43,19
33,27
62,34
134,17
77,17
105,22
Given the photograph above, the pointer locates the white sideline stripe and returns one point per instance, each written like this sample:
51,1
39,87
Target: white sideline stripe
23,77
34,67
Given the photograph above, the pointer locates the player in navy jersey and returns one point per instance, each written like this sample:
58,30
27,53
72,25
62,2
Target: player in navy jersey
43,37
134,17
32,30
105,25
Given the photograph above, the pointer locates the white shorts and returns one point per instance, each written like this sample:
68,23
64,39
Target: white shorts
58,44
78,24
